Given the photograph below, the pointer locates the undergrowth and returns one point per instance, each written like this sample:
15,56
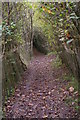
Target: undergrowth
73,98
57,62
72,81
52,53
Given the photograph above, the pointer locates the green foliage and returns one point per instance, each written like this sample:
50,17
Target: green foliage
0,30
69,41
52,53
8,30
57,62
12,74
39,41
0,27
53,19
18,38
15,30
72,81
71,100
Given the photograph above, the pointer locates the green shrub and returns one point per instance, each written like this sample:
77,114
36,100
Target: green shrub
57,62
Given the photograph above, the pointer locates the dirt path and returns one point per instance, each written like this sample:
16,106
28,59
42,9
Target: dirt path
41,93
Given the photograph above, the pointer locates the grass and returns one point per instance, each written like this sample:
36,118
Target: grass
57,62
52,53
72,82
71,100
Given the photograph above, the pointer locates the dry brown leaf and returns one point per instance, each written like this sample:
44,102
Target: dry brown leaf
45,116
44,98
71,89
30,104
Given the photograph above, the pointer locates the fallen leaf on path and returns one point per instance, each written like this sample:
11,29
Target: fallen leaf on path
71,89
17,90
23,96
45,116
30,104
18,95
8,107
35,106
62,89
49,92
44,98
